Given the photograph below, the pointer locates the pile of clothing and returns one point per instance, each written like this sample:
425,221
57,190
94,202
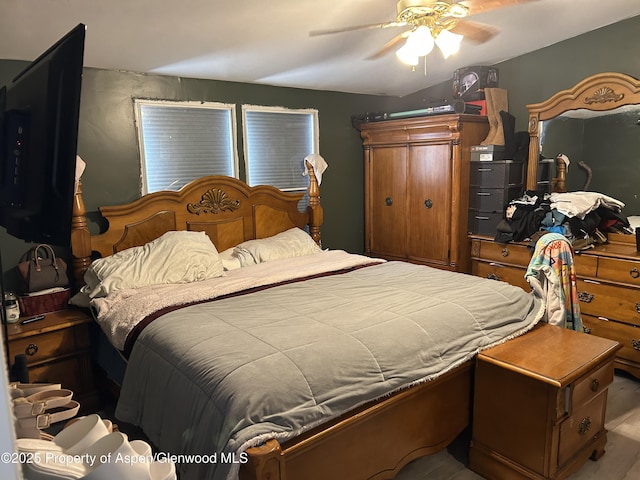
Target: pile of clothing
583,218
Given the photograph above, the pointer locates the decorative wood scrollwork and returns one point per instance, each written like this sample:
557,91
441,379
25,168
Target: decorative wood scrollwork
213,201
604,95
585,297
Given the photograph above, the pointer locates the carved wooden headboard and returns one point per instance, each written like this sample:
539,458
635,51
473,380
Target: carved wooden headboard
227,209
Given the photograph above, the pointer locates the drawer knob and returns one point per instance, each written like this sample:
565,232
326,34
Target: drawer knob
595,385
585,297
388,201
634,272
584,426
586,330
637,307
635,343
31,349
505,252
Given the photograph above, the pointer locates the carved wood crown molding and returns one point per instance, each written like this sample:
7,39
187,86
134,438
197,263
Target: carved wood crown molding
604,95
213,201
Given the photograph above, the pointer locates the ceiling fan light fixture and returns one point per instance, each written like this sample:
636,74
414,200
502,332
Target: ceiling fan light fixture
448,42
421,41
406,55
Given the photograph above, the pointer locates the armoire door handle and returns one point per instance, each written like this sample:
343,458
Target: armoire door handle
428,203
388,201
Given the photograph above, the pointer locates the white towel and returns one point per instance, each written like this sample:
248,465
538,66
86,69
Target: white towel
318,163
579,204
80,166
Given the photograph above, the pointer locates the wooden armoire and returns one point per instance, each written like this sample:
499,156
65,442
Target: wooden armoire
417,188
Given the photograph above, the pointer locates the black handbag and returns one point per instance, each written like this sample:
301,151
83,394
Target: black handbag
42,270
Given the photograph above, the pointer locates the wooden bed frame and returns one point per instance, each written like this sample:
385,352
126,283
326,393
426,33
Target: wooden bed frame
375,441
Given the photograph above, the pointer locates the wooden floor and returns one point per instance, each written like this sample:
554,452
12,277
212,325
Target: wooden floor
620,462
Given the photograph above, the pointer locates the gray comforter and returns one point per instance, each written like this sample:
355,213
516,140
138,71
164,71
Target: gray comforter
225,375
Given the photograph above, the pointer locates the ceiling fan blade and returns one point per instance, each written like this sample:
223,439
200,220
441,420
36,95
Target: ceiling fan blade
329,31
474,31
390,45
482,6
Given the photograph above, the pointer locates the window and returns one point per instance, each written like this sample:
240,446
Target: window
276,140
181,141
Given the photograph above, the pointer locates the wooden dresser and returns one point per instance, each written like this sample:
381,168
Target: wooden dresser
539,404
608,285
417,188
58,351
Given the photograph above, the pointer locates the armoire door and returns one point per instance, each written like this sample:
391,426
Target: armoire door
429,203
387,200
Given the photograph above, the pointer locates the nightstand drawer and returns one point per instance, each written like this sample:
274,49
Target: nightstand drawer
609,301
587,388
71,372
627,335
582,427
50,345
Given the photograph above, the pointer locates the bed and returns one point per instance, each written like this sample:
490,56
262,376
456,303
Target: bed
311,366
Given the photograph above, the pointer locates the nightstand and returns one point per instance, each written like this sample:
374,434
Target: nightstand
539,404
58,351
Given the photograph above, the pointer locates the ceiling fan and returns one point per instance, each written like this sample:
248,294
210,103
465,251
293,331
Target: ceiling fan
432,22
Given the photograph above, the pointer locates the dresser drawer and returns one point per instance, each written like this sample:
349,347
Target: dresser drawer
591,385
511,253
627,335
46,346
504,273
582,427
609,301
586,265
618,270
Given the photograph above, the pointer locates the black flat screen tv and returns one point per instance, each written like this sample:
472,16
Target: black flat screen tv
39,115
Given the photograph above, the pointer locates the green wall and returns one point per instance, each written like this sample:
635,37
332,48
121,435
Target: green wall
108,142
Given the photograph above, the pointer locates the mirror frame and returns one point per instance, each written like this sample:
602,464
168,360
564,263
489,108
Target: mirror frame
601,92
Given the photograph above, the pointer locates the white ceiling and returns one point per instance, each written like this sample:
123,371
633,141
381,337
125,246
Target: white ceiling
268,42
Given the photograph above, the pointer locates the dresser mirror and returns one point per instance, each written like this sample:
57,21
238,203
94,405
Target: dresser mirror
596,122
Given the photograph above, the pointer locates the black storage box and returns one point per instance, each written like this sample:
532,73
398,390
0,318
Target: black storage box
469,82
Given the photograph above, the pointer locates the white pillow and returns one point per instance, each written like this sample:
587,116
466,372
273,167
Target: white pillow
175,257
229,259
291,243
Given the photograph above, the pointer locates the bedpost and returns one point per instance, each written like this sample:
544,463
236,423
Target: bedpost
315,209
264,462
80,239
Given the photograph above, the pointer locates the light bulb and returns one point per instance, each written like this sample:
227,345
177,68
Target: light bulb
448,43
421,41
406,55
